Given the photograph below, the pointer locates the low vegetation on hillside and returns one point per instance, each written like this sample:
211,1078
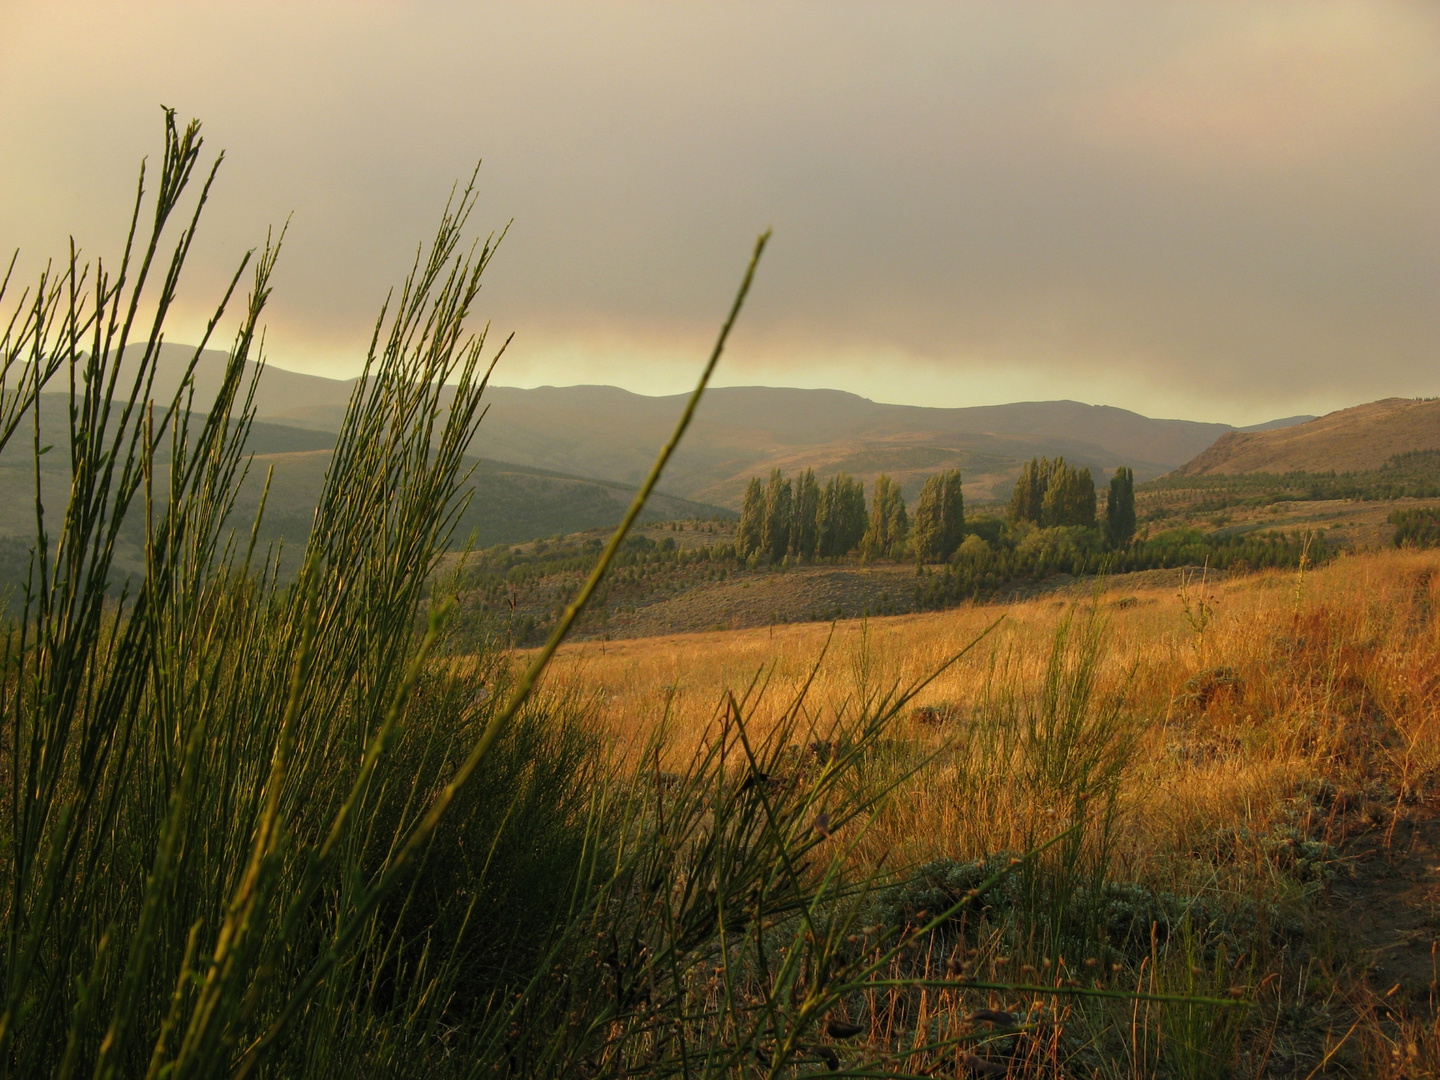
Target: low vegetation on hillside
1416,528
1410,475
505,504
1358,439
1051,529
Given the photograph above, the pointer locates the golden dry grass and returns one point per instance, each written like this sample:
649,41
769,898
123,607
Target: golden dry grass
1308,702
1313,657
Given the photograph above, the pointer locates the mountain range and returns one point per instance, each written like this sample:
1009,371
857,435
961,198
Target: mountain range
559,460
508,503
604,433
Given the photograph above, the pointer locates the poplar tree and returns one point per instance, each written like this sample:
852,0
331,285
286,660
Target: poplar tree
841,517
939,524
804,530
1084,503
779,516
750,533
1069,496
827,520
888,521
1057,489
853,517
1028,499
1120,508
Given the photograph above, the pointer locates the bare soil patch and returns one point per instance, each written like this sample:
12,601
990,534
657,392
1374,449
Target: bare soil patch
1388,905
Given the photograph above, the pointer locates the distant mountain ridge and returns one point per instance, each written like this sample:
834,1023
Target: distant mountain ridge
606,433
1357,439
508,503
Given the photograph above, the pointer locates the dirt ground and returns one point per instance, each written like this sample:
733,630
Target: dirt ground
1388,904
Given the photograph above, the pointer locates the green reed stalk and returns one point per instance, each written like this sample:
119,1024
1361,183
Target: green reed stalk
415,843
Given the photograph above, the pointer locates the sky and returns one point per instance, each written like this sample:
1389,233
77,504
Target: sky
1208,210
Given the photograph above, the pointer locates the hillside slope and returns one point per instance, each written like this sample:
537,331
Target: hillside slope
1351,440
607,433
743,431
508,503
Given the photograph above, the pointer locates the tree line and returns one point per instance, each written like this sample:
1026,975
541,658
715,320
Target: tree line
1055,493
798,518
1414,474
1419,528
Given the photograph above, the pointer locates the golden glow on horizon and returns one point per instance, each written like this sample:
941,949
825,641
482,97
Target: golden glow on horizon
1197,210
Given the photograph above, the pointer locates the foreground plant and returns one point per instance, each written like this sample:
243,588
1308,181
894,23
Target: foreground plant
192,745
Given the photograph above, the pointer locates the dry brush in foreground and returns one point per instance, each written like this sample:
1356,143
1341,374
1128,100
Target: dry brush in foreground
1249,762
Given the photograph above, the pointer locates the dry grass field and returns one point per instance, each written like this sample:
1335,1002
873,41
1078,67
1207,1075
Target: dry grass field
1264,743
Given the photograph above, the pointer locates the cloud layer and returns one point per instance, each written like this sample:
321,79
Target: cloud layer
1209,210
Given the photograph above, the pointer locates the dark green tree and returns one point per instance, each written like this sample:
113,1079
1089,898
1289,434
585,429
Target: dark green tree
1058,484
854,517
750,533
1085,503
889,524
804,531
1120,508
939,523
841,516
827,520
779,515
1069,496
1028,499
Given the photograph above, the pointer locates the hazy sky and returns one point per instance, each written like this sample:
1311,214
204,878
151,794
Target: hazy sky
1207,210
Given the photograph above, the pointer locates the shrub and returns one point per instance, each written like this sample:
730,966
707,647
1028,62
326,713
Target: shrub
1129,916
1416,528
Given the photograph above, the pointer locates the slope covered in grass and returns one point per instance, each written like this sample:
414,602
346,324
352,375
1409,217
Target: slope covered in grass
1354,440
1274,745
508,503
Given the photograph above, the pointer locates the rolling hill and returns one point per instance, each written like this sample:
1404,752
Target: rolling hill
508,503
1358,439
606,433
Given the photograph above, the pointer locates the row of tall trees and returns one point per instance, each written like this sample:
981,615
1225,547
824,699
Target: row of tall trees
797,517
784,517
1055,493
1051,493
939,516
841,517
889,523
1120,509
